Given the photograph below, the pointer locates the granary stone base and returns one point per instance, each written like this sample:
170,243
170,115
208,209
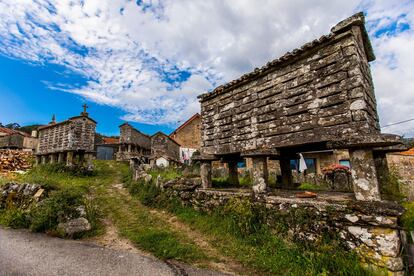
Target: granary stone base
368,227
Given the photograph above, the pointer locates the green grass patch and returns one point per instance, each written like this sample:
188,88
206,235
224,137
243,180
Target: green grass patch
309,186
408,217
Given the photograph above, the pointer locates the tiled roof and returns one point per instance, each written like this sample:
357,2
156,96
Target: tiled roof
195,116
9,131
408,152
110,140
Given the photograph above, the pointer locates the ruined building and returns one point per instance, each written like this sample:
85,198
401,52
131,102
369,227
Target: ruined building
164,150
317,97
69,142
133,145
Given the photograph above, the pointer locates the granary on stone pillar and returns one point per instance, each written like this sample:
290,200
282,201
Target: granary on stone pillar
164,150
134,145
317,97
68,142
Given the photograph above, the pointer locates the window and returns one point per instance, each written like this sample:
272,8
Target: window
345,162
310,164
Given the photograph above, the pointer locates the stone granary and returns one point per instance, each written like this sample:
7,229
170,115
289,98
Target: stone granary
133,145
317,97
14,139
164,150
68,141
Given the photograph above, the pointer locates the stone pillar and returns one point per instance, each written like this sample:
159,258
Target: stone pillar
60,157
129,148
81,156
69,158
38,160
364,175
120,148
233,173
286,171
52,159
43,158
205,173
260,174
383,172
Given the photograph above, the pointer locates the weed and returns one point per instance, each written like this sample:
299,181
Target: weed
14,218
408,217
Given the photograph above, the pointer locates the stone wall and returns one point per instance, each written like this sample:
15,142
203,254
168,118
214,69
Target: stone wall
189,135
12,141
75,134
320,92
369,228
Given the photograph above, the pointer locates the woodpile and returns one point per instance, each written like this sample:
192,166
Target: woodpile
15,160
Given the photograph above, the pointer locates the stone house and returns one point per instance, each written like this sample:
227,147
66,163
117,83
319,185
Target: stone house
316,98
133,144
164,150
14,139
69,142
402,163
188,135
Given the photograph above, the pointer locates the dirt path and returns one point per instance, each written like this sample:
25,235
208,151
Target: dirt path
114,240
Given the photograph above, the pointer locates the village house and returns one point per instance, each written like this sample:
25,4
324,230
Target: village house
188,135
69,142
133,145
164,150
14,139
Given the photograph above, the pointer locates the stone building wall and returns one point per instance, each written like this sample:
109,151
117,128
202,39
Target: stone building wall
11,141
320,92
130,135
163,146
75,134
189,134
403,166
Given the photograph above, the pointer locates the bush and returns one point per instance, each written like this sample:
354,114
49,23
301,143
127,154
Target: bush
58,207
14,218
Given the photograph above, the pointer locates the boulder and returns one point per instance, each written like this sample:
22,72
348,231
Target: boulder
74,226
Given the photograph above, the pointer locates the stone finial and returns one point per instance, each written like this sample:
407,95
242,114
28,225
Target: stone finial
53,120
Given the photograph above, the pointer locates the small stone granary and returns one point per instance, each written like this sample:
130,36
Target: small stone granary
133,144
68,141
317,97
164,150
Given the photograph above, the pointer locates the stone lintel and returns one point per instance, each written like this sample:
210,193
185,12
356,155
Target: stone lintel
274,153
368,141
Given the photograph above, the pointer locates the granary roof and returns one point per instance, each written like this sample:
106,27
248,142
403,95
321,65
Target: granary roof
163,134
65,122
195,116
126,124
357,19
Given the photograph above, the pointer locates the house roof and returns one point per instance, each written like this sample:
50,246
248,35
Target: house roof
357,19
110,140
408,152
9,131
195,116
162,133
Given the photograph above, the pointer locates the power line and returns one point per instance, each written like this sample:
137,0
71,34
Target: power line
397,123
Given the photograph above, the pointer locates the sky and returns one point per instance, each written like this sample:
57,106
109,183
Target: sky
146,62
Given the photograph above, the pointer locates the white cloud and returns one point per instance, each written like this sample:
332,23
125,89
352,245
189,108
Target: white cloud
131,49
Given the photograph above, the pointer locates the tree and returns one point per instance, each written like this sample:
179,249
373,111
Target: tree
13,126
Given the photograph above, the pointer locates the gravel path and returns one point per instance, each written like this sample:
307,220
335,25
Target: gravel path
26,253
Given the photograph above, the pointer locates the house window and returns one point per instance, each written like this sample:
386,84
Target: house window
310,164
345,162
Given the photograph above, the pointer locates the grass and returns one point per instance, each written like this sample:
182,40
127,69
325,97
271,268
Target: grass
309,186
408,217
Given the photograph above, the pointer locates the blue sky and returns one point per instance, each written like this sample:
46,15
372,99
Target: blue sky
146,61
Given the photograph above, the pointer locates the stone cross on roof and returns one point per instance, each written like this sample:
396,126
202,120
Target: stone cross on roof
84,113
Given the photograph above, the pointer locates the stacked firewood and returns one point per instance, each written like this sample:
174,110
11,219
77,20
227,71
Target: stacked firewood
15,160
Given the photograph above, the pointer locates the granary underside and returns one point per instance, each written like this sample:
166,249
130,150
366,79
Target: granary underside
318,97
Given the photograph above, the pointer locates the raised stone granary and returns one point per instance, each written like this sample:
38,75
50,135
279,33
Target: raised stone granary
70,141
133,145
317,97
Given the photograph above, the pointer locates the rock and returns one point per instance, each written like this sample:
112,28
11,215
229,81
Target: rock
146,167
259,188
74,226
147,178
81,210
